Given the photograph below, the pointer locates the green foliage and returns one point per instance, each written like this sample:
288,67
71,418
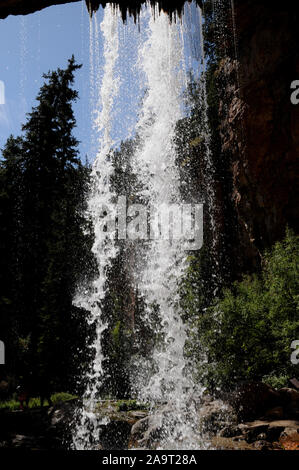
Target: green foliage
13,405
62,397
247,334
276,382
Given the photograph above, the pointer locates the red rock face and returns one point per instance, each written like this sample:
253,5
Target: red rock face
260,125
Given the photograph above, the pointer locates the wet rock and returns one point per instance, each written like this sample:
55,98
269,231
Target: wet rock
290,400
274,432
292,432
262,445
62,413
262,436
260,126
147,433
289,438
285,423
253,433
252,400
288,395
215,416
122,429
269,431
115,435
139,429
138,414
23,441
225,443
151,432
294,383
43,428
275,413
49,428
238,438
230,431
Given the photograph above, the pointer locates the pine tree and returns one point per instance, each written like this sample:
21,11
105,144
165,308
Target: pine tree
49,244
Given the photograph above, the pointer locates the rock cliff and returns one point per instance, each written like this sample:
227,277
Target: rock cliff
259,124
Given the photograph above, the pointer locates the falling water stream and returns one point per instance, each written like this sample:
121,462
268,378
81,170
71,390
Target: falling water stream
104,249
162,61
162,66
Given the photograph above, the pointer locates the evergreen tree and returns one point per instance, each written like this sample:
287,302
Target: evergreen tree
41,204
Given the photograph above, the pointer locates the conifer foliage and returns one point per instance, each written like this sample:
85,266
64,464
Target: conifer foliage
43,246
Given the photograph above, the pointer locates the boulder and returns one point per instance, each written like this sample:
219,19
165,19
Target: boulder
262,445
275,413
251,400
274,432
147,432
255,432
294,383
289,438
115,435
290,402
215,415
269,431
138,429
230,431
288,395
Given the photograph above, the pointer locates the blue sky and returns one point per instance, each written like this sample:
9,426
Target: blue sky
33,44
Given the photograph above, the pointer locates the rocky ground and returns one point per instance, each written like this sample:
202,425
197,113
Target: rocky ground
255,417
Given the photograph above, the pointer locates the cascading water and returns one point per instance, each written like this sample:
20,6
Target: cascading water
162,61
163,259
104,249
23,71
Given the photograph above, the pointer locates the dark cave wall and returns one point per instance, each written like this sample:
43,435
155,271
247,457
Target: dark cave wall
131,7
260,125
24,7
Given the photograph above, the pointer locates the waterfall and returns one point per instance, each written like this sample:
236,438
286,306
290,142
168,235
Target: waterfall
86,433
23,70
161,257
162,62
